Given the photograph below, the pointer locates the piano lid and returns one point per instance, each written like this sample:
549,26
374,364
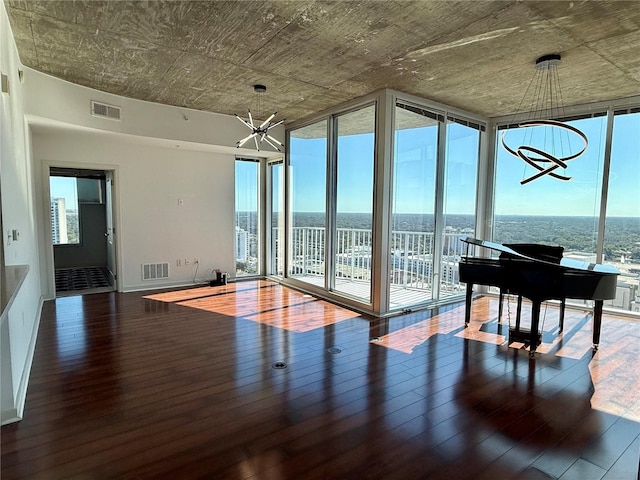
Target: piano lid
568,263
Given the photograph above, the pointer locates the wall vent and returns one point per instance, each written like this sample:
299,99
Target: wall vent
153,271
106,111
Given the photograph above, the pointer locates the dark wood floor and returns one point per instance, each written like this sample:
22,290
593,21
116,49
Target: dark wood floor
182,385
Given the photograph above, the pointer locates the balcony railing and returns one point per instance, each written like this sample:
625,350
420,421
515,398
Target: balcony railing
411,268
411,257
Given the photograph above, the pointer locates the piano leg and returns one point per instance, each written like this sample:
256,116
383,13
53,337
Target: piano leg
500,300
467,305
518,313
597,323
562,307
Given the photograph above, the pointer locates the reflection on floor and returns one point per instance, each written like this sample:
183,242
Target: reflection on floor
81,279
290,310
253,380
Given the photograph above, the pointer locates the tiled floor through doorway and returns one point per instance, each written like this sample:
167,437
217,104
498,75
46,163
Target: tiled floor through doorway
73,279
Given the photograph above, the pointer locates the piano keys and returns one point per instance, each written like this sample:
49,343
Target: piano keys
539,274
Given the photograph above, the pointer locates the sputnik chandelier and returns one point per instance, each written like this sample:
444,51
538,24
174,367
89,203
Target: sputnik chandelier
544,126
260,133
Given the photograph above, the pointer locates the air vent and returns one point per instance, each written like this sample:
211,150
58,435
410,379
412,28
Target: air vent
106,111
153,271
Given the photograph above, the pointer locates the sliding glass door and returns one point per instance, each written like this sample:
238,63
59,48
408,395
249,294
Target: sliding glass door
415,156
355,132
459,200
333,216
308,198
435,164
427,167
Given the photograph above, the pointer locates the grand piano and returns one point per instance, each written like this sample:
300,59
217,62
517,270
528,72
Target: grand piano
539,273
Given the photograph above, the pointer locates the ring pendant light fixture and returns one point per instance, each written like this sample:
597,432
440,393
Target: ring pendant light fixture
546,143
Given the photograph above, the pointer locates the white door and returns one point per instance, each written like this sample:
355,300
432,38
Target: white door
111,231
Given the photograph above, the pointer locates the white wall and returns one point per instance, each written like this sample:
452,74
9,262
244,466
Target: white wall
174,188
171,203
162,156
53,99
20,323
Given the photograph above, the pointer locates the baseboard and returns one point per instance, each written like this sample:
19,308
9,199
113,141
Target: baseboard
144,288
10,416
21,396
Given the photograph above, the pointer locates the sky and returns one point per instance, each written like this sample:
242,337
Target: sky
581,195
415,171
415,167
64,187
414,182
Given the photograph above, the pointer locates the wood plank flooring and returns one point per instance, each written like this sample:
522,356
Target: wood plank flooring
182,385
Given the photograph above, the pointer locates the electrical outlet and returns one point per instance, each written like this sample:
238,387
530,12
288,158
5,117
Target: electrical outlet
186,261
178,263
196,260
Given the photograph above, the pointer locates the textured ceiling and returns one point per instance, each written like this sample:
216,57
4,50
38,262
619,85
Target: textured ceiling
312,55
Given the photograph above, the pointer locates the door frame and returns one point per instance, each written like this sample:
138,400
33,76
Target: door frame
46,246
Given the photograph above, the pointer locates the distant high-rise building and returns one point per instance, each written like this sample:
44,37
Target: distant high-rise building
242,245
58,221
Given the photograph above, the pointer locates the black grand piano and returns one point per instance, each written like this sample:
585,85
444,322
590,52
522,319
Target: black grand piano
539,273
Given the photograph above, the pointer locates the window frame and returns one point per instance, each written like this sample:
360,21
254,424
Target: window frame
259,219
78,243
610,110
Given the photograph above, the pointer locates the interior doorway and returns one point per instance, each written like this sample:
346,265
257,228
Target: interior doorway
82,230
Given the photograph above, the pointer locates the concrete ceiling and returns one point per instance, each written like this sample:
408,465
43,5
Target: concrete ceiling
312,55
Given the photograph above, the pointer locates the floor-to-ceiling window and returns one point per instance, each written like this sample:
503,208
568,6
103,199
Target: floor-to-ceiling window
622,227
277,218
355,132
349,198
247,238
428,221
307,172
459,199
375,209
549,210
571,213
416,132
431,185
